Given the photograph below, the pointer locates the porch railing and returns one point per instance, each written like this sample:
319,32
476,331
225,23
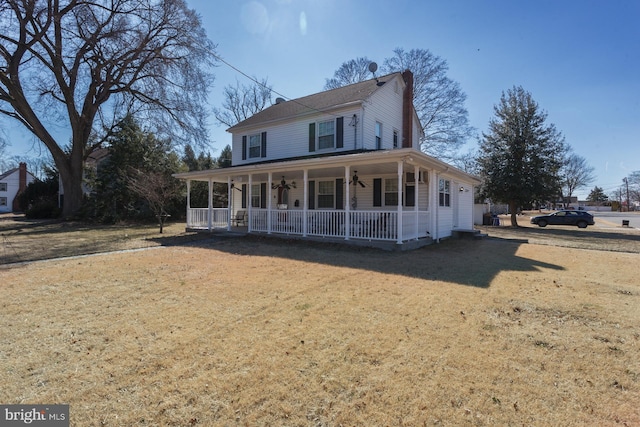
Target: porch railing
369,225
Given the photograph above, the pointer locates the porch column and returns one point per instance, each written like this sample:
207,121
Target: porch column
400,172
269,197
433,203
229,202
347,196
249,207
188,202
210,206
416,206
305,202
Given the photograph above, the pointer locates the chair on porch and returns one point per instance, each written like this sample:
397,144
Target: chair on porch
240,217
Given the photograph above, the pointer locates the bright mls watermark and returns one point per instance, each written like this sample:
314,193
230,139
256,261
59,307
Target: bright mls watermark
34,415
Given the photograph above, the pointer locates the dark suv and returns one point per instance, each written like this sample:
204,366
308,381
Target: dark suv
579,218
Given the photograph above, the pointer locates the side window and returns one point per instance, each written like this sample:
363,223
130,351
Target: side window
378,135
444,192
3,186
395,138
3,201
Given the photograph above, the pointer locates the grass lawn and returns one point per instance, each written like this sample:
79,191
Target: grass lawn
251,331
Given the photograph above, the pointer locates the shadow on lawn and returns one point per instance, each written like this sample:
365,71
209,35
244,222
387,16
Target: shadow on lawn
465,262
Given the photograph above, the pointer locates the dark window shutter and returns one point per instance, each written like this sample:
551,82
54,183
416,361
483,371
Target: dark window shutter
339,132
263,194
263,152
410,195
377,192
339,193
244,196
312,194
312,137
244,147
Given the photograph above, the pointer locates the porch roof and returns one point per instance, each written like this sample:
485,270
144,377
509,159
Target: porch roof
367,162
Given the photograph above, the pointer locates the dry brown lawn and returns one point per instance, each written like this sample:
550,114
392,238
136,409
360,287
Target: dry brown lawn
261,332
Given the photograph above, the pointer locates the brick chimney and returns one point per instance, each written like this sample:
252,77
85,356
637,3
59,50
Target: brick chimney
407,110
22,184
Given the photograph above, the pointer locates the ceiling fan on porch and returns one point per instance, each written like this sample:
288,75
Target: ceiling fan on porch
283,184
356,181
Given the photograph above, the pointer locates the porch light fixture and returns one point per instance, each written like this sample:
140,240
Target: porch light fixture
354,120
461,189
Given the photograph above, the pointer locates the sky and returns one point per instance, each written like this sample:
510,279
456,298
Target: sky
579,59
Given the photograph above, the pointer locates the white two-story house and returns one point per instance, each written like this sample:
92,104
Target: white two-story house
12,183
342,164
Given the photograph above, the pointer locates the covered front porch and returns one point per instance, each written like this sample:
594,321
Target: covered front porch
385,196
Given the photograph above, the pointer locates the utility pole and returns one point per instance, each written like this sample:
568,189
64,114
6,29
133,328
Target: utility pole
626,181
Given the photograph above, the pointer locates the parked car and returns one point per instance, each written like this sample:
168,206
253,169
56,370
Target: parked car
565,217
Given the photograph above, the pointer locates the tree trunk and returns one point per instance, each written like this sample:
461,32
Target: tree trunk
71,179
513,208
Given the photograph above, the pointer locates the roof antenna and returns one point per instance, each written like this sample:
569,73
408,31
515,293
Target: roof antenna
373,67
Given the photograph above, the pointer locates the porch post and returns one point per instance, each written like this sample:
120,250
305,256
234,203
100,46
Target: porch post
400,171
269,197
188,202
229,202
433,203
210,206
416,204
347,211
305,202
249,204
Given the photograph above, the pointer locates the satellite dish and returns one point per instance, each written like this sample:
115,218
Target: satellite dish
373,67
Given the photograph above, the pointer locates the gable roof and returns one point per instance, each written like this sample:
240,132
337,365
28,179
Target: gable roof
346,95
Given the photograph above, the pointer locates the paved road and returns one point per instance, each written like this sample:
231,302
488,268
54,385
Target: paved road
614,219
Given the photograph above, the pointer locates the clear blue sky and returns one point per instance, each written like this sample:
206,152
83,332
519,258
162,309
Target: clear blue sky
579,59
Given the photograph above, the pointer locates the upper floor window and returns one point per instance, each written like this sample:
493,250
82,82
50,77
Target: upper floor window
378,135
325,194
254,146
3,186
395,138
444,192
326,134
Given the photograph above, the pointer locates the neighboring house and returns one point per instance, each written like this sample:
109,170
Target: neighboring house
12,183
343,164
91,165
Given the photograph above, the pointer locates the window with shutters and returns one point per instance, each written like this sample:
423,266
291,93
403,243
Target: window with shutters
326,135
255,195
391,192
254,146
325,194
444,192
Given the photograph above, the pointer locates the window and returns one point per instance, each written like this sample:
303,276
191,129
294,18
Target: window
3,186
254,146
395,138
378,135
325,194
444,191
255,195
326,132
3,201
391,192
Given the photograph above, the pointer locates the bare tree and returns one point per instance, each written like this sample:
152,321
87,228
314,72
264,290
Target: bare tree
438,100
574,174
352,71
241,102
157,188
83,65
